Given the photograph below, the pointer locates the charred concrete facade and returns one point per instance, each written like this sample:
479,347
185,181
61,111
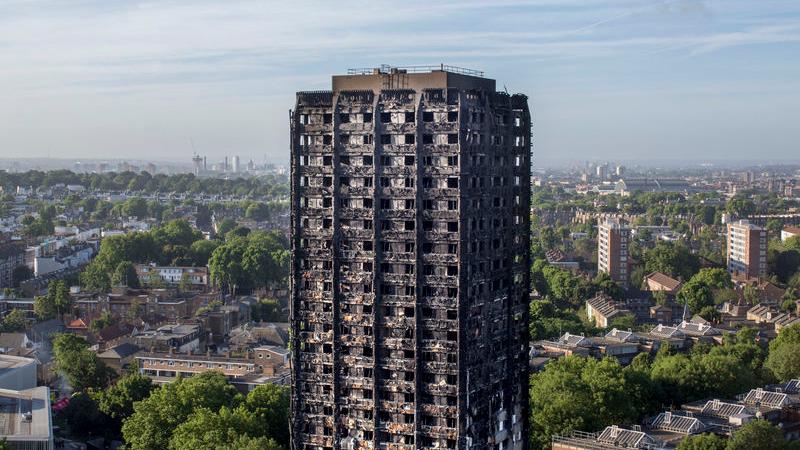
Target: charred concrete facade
410,257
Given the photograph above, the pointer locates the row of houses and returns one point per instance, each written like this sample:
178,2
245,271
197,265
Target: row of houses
625,345
778,404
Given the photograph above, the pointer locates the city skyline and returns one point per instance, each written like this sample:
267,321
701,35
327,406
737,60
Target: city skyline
675,80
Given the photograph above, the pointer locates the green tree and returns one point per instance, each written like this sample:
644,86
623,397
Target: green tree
607,285
704,441
750,294
710,313
725,295
155,418
251,443
117,401
78,364
125,275
105,320
740,206
722,371
55,303
135,207
269,404
225,226
225,265
758,435
257,211
209,429
95,277
549,322
43,307
675,260
714,278
575,393
266,258
696,294
623,322
201,250
15,321
784,354
783,263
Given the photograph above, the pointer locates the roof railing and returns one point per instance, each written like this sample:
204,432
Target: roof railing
387,69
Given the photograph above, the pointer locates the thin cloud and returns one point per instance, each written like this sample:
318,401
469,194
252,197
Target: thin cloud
167,57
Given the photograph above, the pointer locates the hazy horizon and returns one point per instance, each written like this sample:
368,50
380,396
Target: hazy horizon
682,80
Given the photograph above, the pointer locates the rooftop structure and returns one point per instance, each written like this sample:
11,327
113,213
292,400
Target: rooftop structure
181,337
760,397
611,438
658,281
789,232
17,373
666,331
621,336
677,423
722,410
603,309
194,276
266,364
629,185
25,419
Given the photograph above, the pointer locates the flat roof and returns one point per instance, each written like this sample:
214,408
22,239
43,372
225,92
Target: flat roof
415,78
25,415
10,361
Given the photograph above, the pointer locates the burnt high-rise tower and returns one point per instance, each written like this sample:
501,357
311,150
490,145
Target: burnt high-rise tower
410,262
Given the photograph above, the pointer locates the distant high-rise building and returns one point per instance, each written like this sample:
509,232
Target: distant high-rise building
747,249
620,171
235,164
613,236
410,252
197,164
601,171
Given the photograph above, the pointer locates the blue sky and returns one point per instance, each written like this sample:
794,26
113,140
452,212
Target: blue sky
623,79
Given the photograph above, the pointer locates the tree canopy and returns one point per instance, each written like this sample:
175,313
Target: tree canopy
704,441
758,435
55,303
784,354
675,260
206,412
579,393
576,393
256,260
78,364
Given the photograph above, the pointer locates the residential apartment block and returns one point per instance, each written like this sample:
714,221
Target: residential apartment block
747,249
410,262
193,276
613,236
12,255
261,365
